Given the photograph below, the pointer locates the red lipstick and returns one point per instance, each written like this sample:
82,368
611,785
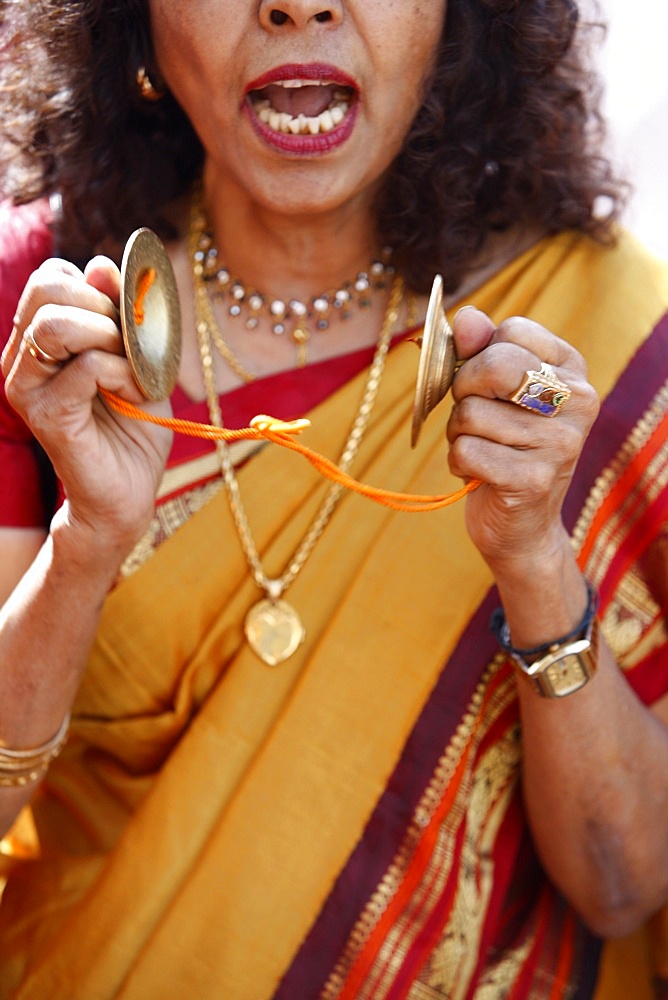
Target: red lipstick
303,109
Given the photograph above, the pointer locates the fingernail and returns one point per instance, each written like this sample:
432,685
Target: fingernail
463,309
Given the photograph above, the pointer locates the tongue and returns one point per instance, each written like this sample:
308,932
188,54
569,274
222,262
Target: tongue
308,101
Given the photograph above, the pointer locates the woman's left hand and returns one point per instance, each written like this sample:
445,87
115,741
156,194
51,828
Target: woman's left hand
524,459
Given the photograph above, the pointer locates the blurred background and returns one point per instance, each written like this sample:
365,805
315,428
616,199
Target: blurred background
633,60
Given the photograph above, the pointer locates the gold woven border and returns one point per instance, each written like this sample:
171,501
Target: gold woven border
459,943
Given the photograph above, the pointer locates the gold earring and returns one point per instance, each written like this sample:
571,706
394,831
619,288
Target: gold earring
146,88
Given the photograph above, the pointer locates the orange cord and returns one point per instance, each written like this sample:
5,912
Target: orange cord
264,428
145,284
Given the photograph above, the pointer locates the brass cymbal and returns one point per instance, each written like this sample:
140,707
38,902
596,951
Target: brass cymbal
150,315
437,360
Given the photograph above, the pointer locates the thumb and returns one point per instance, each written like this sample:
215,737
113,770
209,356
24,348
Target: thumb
102,273
473,331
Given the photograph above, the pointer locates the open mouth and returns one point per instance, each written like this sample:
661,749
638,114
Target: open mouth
301,106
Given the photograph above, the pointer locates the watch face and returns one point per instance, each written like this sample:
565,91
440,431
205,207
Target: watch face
566,674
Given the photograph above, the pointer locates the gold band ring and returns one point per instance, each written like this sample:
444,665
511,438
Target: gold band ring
37,352
541,392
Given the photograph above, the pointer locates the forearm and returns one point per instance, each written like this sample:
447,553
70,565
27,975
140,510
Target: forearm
47,627
595,788
595,764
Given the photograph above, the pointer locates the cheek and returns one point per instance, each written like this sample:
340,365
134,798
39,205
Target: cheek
193,58
410,46
407,66
178,41
428,22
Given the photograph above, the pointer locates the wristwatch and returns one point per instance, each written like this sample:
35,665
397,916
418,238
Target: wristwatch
564,669
562,666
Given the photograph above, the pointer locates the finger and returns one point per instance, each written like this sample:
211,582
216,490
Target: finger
64,331
58,335
61,284
35,351
54,283
97,370
540,342
513,427
59,408
523,473
475,335
498,371
21,318
113,373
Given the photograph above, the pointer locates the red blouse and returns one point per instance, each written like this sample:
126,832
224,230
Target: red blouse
25,242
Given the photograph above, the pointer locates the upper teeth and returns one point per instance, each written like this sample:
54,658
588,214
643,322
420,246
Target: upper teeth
281,121
300,83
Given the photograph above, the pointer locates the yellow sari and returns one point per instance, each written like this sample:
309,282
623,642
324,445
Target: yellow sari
205,805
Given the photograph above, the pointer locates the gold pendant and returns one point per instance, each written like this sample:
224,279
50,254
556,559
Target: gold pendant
274,631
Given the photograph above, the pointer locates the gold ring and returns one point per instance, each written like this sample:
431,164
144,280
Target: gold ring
542,392
37,352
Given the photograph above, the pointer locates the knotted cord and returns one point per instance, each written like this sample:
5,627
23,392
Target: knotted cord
266,428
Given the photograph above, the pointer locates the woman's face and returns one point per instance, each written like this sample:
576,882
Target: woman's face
302,104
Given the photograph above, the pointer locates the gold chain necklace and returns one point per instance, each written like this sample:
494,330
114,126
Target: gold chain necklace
272,627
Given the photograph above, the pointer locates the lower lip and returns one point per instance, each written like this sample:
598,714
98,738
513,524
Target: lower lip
303,145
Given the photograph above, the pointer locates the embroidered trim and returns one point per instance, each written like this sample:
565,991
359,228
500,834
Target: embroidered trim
467,737
631,611
637,439
167,519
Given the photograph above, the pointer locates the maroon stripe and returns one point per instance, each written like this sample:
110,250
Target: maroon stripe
387,827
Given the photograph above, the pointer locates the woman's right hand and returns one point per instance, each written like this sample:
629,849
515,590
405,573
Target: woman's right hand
110,466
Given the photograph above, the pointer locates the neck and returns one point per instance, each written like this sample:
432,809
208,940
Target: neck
287,255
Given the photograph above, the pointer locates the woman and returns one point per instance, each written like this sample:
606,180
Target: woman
343,791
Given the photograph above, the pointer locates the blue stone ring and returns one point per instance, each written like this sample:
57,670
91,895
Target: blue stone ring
542,392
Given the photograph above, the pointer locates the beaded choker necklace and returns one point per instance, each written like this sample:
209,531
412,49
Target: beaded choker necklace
295,317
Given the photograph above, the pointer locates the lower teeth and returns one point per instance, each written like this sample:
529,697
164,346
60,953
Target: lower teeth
301,125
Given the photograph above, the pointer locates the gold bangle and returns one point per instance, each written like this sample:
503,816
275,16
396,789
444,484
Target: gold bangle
21,767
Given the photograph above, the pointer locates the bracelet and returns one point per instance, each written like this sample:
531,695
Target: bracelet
566,664
21,767
499,627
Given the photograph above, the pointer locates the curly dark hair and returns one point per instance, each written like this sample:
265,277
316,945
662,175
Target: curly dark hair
508,132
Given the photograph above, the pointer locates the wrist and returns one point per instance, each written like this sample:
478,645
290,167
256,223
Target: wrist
545,600
540,562
85,552
561,665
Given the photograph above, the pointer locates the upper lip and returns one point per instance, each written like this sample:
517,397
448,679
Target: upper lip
321,72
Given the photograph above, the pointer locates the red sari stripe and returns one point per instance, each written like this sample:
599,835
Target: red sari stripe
623,408
404,893
422,903
629,497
